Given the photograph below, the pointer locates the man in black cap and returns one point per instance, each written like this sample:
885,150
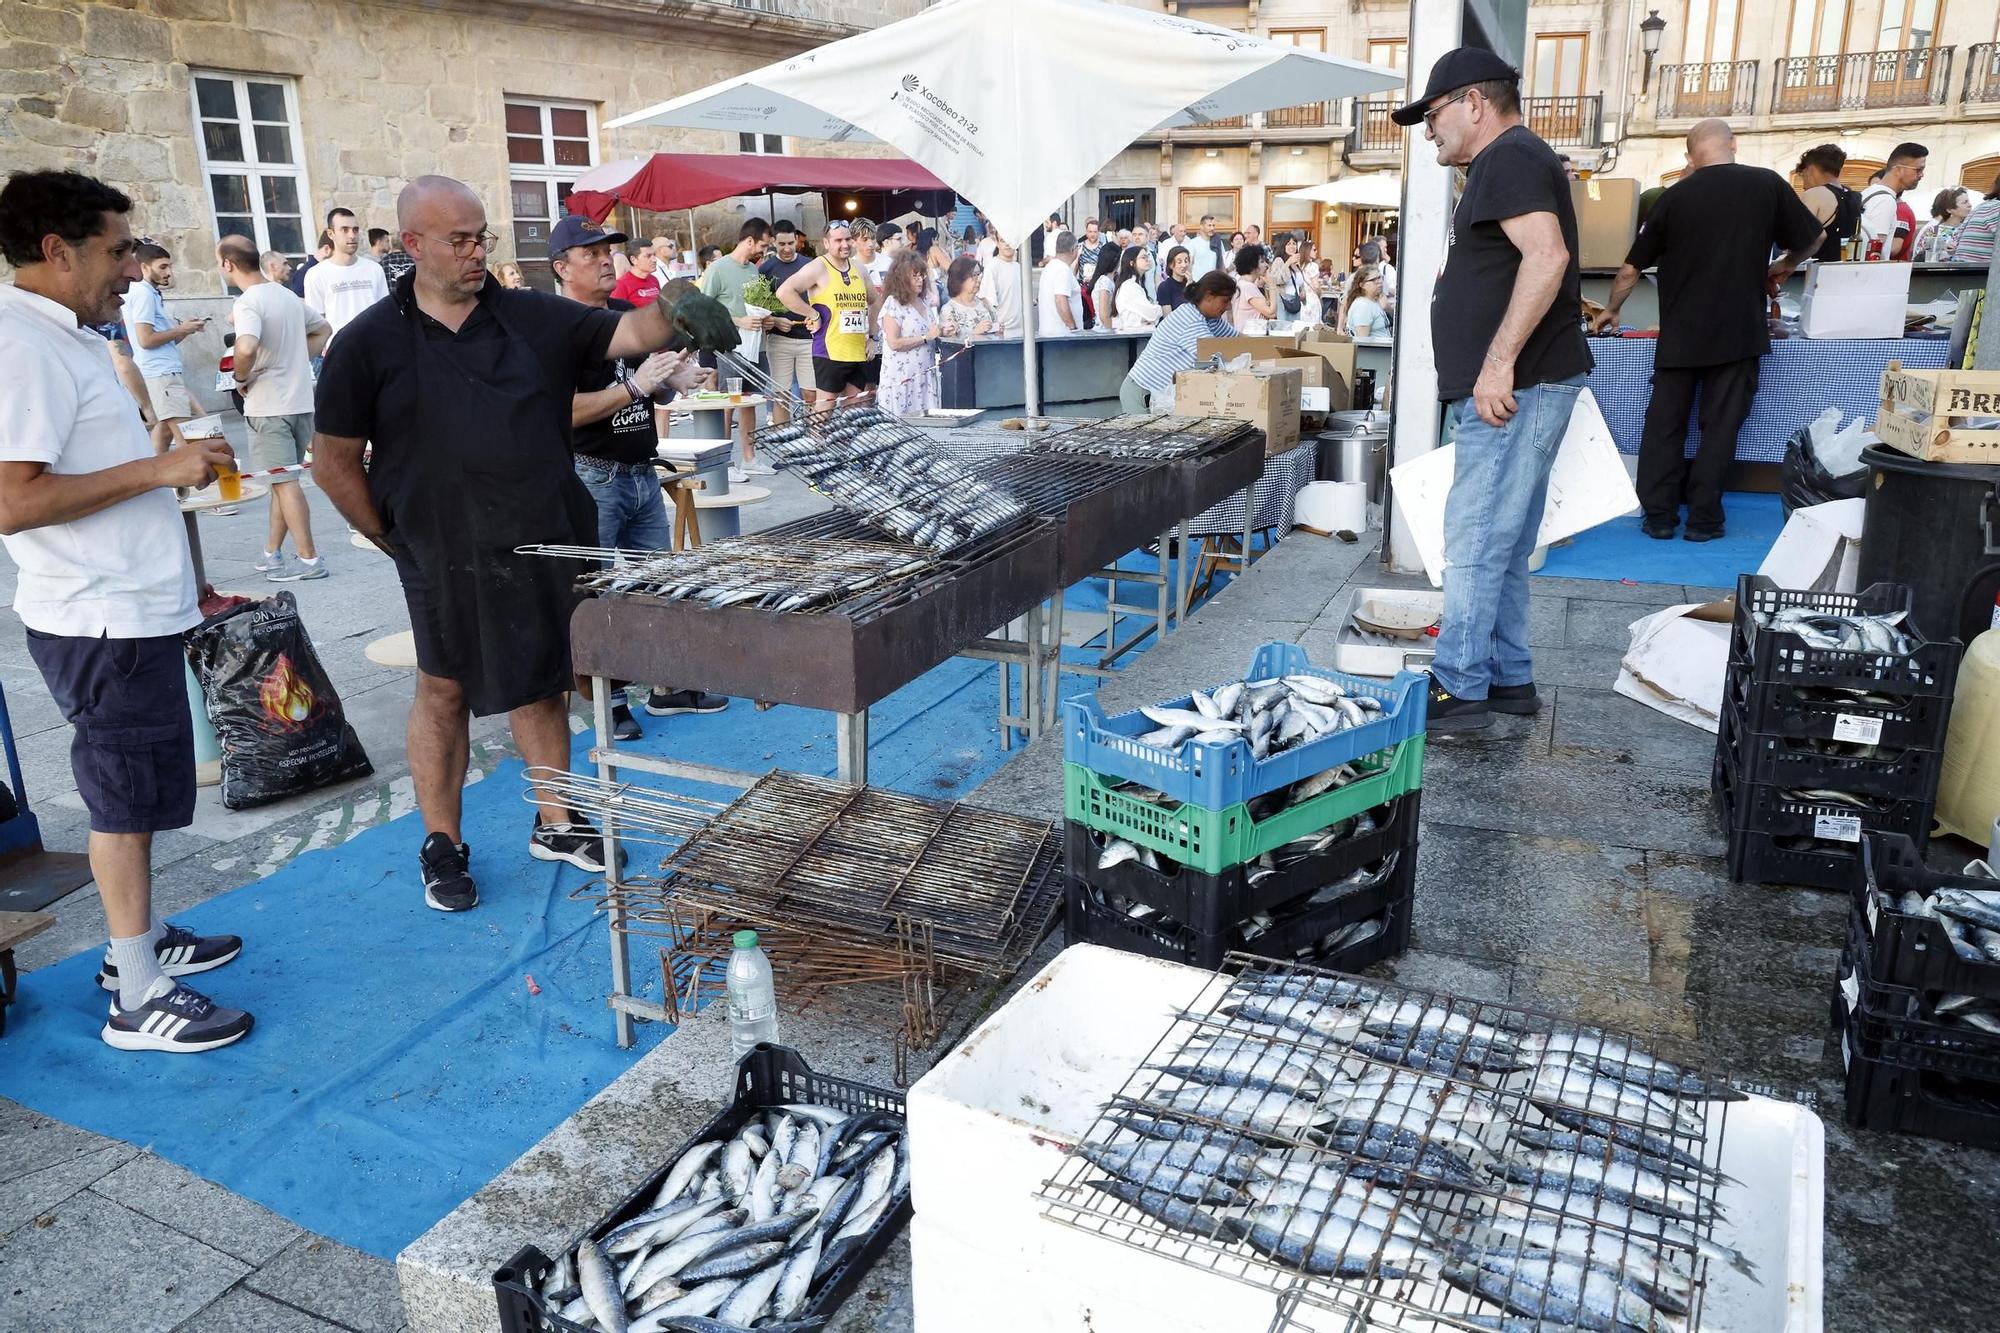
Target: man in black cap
1511,357
464,388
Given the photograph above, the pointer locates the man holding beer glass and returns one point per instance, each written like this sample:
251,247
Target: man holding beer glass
106,584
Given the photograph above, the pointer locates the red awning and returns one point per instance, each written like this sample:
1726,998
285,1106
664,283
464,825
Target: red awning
673,181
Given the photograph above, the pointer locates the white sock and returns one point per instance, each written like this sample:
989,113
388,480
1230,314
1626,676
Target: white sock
156,932
308,559
138,969
270,555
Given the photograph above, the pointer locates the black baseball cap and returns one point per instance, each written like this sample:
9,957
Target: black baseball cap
572,231
1455,69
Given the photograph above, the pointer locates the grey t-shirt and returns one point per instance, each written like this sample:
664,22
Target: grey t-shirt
279,321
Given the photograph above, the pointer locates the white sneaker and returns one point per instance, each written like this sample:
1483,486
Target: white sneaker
737,476
757,469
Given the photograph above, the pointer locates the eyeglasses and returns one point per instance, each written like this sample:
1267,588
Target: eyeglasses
1430,116
463,246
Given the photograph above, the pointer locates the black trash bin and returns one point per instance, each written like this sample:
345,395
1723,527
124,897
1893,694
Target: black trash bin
1935,527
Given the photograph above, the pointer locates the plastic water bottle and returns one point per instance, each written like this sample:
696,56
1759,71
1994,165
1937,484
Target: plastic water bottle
753,1001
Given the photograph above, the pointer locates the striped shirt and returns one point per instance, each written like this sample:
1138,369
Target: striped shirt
1171,348
1974,242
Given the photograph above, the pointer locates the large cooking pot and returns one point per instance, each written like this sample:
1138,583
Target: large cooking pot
1355,447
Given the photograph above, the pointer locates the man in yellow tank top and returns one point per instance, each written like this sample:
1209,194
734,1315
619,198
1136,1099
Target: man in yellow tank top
834,297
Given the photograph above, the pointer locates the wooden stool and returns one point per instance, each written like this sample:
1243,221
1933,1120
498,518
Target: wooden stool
679,488
15,928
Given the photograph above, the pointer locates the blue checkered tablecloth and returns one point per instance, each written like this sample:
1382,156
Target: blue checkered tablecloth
1284,475
1800,379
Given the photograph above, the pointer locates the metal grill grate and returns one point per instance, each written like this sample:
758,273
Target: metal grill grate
1144,437
874,466
758,573
1432,1180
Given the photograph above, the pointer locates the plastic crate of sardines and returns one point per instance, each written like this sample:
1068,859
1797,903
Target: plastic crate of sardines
1285,721
1837,641
765,1219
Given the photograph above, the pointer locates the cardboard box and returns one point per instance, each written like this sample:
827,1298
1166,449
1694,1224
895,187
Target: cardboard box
1265,396
1678,662
1855,300
1819,549
1333,347
1265,347
1923,413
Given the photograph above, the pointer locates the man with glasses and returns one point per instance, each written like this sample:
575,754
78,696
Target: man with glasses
1511,359
464,389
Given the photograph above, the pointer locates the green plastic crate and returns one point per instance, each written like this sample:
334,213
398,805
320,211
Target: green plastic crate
1214,840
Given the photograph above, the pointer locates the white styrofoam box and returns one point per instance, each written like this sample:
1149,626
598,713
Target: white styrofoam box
1865,300
1588,485
1359,658
991,1122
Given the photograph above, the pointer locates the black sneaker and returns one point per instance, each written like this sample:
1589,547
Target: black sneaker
1447,712
448,885
176,1019
1660,529
667,703
624,727
577,842
1518,699
181,952
1694,534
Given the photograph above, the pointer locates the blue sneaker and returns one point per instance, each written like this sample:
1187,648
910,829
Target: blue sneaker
181,952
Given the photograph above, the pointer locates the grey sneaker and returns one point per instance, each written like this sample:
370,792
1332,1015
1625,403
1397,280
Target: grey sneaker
269,561
297,569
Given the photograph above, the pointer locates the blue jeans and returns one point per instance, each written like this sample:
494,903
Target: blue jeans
1499,485
630,512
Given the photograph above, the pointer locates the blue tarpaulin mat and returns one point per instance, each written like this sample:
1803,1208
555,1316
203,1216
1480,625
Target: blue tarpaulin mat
400,1058
1619,550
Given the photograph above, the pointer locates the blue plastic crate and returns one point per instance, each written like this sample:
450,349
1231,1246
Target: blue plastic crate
1219,774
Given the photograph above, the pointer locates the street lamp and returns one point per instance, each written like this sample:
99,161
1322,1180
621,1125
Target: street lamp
1649,40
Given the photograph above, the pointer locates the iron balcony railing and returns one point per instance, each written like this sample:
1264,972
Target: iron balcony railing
1717,88
1309,116
1569,122
1374,132
1982,72
1863,80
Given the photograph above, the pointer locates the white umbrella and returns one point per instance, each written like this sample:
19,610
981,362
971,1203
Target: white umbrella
1012,103
1378,189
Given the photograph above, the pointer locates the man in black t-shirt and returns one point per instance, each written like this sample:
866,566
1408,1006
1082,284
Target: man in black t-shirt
615,436
1712,236
789,346
1507,335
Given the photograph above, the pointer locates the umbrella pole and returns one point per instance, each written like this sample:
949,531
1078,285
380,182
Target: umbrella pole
1031,389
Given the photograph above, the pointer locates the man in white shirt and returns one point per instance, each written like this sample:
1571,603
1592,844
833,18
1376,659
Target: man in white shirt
347,282
105,585
1204,254
1000,286
277,336
156,341
1885,218
1059,297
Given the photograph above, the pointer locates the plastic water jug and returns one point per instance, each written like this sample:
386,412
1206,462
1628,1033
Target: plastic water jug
1969,788
753,1000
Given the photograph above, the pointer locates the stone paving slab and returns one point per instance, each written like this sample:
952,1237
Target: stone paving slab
211,1214
90,1263
244,1311
355,1290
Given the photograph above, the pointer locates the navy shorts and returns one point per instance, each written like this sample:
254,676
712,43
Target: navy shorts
133,755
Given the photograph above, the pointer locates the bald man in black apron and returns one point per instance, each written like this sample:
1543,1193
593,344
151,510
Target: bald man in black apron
463,389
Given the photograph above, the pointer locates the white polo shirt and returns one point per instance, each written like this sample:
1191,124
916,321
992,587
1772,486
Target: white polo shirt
124,571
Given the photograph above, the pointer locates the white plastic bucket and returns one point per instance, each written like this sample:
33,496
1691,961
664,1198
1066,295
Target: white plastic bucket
1333,506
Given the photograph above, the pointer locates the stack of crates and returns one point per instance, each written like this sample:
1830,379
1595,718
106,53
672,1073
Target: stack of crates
1913,1010
1818,746
1216,815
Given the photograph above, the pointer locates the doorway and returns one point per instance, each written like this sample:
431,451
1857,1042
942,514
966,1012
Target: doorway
1124,209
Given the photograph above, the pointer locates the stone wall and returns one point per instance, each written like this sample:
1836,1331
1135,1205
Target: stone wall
386,91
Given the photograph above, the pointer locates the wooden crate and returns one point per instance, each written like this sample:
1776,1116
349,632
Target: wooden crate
1922,411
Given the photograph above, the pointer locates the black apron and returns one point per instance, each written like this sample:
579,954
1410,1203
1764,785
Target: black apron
493,473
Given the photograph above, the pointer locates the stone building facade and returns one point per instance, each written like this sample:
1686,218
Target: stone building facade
259,115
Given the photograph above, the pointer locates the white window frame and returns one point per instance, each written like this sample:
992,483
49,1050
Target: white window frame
546,172
255,171
760,146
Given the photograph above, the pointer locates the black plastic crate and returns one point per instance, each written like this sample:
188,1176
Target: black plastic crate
1212,903
1775,838
1800,709
1914,951
767,1076
1089,922
1904,1018
1929,668
1910,773
1889,1089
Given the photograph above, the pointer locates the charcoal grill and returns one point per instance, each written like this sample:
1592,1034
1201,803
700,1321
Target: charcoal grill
1377,1298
